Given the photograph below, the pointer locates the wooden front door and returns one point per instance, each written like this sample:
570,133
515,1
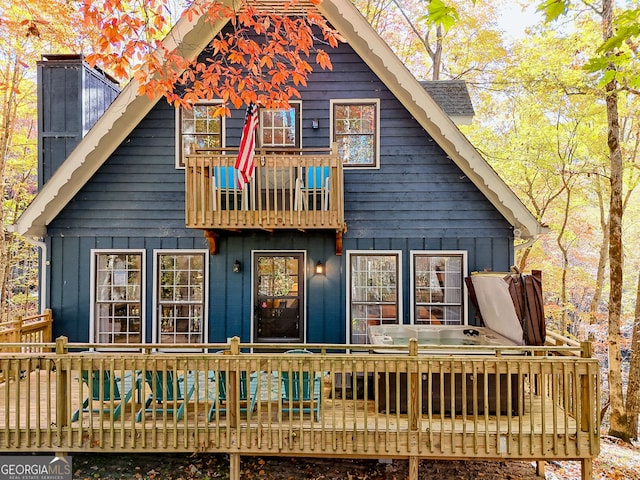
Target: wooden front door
278,297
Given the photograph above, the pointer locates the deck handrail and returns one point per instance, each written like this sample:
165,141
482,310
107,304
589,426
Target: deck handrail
540,403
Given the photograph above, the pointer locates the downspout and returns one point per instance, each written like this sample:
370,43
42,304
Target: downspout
43,269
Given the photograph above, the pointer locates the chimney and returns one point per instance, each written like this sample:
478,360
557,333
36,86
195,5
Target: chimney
71,98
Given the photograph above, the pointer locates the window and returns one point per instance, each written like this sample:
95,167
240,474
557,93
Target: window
438,287
374,292
180,294
199,129
355,130
280,127
117,296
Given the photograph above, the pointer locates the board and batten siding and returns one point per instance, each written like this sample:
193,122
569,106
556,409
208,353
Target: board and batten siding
417,200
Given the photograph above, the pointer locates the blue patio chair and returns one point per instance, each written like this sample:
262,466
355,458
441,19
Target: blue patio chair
168,391
314,187
226,191
103,391
299,392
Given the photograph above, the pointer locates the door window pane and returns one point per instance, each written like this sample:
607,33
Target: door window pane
118,298
374,293
181,282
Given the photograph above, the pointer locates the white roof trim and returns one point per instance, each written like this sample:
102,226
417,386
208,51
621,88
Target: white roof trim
191,38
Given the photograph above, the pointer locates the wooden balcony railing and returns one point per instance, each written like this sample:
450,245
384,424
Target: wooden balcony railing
301,189
521,403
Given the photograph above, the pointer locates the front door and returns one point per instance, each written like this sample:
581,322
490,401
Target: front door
278,297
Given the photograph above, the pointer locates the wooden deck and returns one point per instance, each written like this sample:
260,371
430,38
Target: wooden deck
537,404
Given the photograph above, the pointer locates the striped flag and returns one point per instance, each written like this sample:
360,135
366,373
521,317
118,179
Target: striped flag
244,162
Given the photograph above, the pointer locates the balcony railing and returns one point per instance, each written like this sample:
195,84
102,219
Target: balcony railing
301,189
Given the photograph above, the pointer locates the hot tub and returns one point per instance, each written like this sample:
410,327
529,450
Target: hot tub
429,336
441,335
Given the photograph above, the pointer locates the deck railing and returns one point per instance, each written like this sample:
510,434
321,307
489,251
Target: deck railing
27,332
289,190
534,403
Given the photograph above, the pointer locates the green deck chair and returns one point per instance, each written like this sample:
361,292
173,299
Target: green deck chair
299,393
220,402
166,388
101,391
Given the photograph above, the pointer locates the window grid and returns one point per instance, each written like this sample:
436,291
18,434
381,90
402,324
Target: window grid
200,129
118,298
374,293
438,289
355,133
279,127
180,297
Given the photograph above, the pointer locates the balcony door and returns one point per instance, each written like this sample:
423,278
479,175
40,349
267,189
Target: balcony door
278,297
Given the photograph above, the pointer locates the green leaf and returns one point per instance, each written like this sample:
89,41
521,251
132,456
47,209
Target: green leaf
441,14
552,9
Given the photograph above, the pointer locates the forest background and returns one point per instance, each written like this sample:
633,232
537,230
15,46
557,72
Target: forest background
544,100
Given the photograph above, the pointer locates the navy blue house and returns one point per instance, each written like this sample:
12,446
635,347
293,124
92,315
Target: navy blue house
367,206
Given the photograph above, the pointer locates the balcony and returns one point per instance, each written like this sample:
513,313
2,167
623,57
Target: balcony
294,189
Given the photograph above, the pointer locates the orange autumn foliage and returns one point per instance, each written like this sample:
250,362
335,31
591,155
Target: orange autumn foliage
261,58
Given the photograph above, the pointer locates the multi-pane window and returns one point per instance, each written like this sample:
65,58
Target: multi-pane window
180,296
355,130
200,130
279,127
374,292
118,297
438,288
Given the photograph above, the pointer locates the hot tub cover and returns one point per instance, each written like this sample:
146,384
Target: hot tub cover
510,304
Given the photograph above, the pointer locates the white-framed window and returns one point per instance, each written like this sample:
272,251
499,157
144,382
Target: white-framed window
117,296
438,291
374,291
280,127
355,129
198,130
180,280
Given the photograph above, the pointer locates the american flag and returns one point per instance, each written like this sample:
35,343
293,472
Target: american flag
244,162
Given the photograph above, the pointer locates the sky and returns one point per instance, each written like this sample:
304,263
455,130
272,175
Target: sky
514,21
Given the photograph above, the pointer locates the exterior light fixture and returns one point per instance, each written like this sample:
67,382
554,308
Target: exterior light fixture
319,268
237,267
315,123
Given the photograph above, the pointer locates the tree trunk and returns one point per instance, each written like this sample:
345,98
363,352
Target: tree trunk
618,418
632,405
602,263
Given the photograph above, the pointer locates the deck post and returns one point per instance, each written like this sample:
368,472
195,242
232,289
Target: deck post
413,467
62,415
233,395
413,375
234,466
587,468
585,423
540,466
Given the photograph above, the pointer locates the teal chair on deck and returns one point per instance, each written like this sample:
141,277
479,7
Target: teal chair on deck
168,391
220,401
300,392
103,389
226,193
313,189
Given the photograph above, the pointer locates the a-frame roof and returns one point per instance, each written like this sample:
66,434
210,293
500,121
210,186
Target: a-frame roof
190,37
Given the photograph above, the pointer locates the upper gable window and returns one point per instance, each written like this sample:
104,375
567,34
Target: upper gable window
355,125
280,127
199,130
